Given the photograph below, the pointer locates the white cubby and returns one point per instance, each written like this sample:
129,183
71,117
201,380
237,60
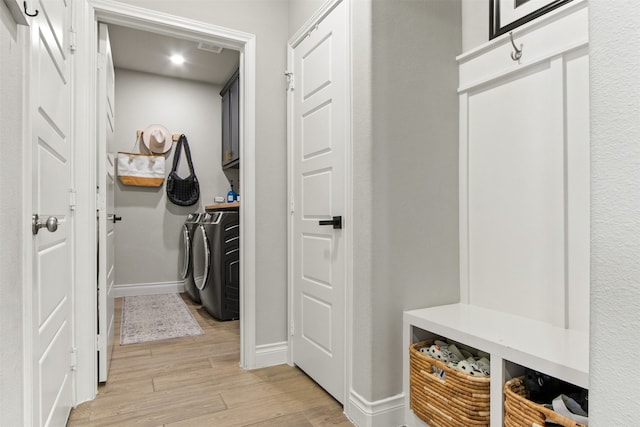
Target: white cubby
558,352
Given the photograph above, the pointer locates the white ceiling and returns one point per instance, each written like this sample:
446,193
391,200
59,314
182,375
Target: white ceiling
149,52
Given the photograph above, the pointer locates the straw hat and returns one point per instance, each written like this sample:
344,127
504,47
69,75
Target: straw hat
157,139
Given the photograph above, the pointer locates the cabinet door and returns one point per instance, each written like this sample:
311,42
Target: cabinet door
226,129
234,119
231,123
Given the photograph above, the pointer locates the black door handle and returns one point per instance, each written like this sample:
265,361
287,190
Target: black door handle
112,217
336,222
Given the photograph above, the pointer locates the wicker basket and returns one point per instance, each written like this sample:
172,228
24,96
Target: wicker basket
456,400
519,411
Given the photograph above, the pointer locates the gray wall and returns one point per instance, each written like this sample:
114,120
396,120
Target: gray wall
615,212
12,220
300,11
475,23
148,237
363,174
268,20
415,171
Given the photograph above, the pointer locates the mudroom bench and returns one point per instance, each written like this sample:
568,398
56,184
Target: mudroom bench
513,342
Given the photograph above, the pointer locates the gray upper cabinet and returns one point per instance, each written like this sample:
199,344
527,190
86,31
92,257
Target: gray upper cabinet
231,122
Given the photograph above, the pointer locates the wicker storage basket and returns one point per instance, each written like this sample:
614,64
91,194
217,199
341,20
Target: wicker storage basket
456,400
519,411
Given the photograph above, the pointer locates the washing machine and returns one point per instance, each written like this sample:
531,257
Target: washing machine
186,255
216,263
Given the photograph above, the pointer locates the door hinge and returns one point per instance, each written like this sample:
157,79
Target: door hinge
73,40
101,199
102,61
74,358
100,342
290,80
292,329
315,27
292,206
72,199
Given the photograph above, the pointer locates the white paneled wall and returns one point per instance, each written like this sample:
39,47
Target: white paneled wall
524,169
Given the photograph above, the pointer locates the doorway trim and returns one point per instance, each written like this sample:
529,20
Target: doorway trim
86,16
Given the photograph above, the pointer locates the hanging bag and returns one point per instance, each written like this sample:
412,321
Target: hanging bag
182,191
141,170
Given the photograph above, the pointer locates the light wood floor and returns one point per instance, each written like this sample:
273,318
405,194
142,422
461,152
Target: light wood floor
196,381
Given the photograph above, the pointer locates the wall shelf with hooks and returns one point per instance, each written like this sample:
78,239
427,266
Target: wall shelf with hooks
175,136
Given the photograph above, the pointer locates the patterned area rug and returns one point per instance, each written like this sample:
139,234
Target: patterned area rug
156,317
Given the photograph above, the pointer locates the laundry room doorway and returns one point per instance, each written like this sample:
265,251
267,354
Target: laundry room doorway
163,25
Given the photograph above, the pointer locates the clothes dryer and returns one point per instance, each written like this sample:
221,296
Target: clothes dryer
216,263
186,255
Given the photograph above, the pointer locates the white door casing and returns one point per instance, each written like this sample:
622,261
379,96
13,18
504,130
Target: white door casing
320,135
51,350
109,11
106,211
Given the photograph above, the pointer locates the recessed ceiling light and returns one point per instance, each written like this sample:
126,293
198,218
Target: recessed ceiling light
177,59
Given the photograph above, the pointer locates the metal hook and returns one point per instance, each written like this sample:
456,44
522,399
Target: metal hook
518,52
24,4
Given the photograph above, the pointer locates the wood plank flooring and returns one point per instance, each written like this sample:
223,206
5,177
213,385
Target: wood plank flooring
197,381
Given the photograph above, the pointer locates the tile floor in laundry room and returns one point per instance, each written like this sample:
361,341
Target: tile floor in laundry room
197,381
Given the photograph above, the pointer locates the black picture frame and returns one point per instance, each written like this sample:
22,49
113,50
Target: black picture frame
496,25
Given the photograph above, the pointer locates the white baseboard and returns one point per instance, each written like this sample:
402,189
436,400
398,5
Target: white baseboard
147,289
271,354
381,413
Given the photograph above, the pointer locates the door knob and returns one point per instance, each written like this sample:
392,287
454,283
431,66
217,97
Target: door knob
114,218
336,222
51,224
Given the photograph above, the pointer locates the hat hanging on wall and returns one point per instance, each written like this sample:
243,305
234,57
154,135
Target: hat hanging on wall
157,139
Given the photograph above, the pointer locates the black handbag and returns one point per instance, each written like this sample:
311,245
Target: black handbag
182,191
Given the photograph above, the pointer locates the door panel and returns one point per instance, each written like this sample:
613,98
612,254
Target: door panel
316,248
318,167
316,186
106,209
316,315
50,110
316,65
316,135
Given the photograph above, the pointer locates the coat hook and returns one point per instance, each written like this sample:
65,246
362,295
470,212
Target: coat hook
24,3
518,52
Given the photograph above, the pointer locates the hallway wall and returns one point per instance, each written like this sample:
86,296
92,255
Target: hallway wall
13,222
614,399
475,23
148,237
300,11
415,171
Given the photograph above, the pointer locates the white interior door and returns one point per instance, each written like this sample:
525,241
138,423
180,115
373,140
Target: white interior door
106,212
319,146
51,305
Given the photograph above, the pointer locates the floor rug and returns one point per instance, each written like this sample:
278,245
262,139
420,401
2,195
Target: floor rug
156,317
